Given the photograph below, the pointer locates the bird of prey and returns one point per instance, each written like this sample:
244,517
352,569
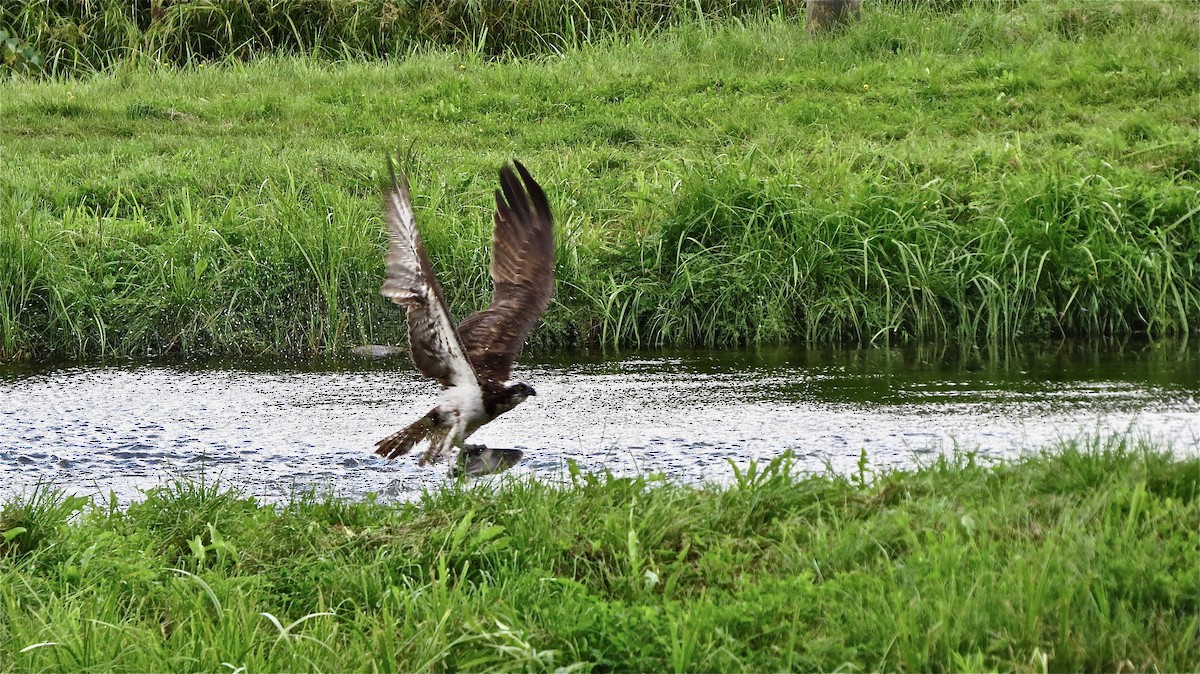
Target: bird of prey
473,362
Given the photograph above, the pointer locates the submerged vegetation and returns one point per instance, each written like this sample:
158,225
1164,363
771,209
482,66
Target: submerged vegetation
1082,558
983,173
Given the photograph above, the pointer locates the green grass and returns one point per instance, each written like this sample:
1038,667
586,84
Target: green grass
91,35
1001,172
1083,557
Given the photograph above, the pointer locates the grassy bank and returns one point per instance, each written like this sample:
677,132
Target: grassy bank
1004,171
1083,558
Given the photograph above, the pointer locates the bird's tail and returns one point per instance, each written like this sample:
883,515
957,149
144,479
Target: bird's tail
399,443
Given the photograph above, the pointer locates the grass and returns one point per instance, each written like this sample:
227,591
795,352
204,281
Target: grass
93,35
1000,172
1082,557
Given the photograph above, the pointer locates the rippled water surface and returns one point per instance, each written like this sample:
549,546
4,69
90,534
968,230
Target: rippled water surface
271,429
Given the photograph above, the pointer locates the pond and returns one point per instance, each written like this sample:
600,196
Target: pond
270,429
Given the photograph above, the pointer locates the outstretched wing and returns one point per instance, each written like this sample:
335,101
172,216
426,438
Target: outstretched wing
522,276
435,347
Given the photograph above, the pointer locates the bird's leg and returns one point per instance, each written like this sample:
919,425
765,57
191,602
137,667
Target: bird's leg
453,440
458,468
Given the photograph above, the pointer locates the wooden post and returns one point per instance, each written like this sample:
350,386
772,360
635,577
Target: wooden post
826,14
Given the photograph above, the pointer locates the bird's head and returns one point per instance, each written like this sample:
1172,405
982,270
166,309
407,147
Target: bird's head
515,394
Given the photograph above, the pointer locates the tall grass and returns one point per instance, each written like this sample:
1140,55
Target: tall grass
745,258
97,34
1000,172
1079,558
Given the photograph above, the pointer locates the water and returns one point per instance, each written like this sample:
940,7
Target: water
270,429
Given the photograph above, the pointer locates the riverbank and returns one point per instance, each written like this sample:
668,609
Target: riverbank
1080,557
984,175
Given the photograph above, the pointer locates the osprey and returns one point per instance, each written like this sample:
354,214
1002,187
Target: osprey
472,362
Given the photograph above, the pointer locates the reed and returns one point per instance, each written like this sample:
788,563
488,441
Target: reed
1079,557
985,174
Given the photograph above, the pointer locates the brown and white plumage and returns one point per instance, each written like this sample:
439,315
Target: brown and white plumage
473,362
522,276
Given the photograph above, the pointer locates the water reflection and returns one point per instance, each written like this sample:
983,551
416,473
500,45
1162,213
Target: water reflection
272,427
